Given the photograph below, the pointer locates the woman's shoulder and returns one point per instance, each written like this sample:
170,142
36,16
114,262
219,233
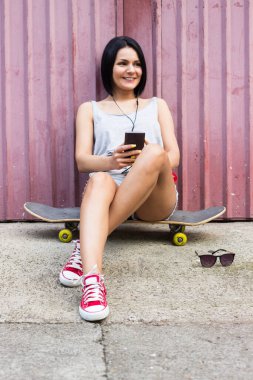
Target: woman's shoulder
103,104
93,107
161,102
162,105
85,107
146,100
143,102
154,99
85,110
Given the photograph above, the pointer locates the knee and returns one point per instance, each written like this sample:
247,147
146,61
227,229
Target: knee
155,156
99,181
100,185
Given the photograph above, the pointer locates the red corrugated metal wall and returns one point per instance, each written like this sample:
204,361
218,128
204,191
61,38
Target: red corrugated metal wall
200,59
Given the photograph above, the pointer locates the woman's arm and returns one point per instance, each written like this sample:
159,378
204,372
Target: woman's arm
168,133
86,161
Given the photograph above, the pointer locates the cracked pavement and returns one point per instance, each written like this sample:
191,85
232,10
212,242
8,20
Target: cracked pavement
170,318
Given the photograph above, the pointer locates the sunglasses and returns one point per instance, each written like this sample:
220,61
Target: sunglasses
208,260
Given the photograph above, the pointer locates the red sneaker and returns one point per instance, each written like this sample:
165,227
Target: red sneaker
93,306
72,272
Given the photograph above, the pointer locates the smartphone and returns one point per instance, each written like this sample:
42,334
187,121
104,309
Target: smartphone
136,138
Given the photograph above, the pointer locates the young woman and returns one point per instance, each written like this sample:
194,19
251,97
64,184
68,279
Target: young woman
123,181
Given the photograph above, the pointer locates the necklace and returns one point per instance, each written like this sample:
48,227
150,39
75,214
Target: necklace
132,121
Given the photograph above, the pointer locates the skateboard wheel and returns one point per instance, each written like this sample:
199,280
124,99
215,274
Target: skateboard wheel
65,236
179,239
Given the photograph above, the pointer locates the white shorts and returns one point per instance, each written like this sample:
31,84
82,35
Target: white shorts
118,178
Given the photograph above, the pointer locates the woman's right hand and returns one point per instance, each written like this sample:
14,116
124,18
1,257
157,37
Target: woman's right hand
123,156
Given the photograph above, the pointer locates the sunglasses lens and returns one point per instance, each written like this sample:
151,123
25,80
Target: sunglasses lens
207,261
227,259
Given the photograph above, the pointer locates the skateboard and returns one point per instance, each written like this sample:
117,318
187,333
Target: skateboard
71,217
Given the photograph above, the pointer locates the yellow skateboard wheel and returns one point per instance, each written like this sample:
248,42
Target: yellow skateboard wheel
179,239
65,235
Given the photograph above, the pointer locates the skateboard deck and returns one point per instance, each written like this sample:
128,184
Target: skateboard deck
71,217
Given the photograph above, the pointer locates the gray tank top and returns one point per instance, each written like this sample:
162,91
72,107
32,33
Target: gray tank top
109,129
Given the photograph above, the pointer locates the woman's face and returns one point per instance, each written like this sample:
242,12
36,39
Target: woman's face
127,70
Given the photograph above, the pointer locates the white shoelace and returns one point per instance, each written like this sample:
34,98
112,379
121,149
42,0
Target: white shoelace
75,259
93,291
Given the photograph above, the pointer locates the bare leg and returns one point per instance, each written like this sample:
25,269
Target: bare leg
148,188
94,219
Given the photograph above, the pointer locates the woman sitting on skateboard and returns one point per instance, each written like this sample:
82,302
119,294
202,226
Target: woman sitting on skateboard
124,181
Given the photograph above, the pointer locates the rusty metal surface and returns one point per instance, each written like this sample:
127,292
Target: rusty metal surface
199,59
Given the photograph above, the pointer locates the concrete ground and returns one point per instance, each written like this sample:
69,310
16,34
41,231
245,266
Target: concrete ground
170,318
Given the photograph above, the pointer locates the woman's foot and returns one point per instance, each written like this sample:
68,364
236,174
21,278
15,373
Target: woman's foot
93,305
72,272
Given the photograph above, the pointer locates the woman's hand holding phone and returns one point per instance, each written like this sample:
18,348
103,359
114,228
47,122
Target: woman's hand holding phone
124,155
